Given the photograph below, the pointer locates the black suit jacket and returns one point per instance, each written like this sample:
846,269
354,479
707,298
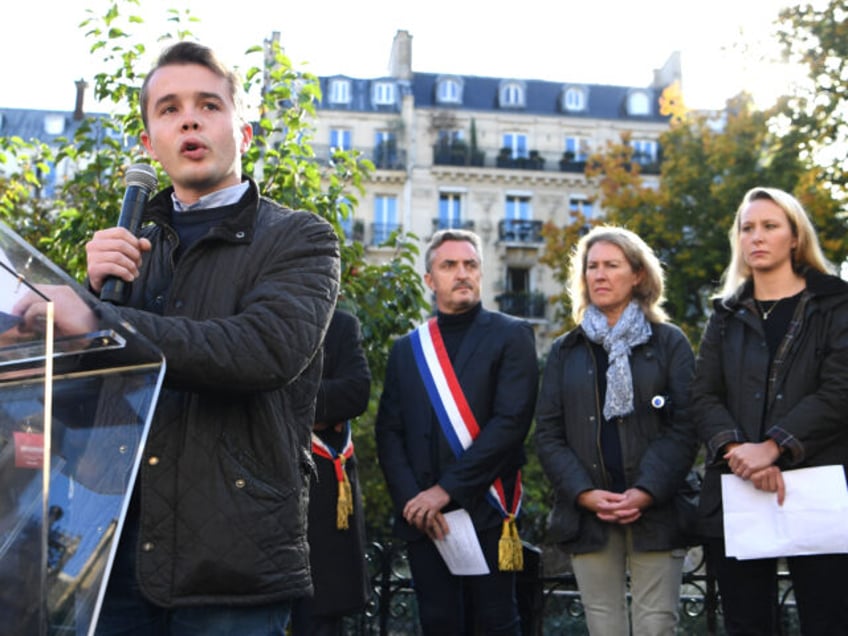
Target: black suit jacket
497,369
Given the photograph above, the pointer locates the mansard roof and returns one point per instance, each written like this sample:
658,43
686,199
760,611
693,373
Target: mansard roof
541,97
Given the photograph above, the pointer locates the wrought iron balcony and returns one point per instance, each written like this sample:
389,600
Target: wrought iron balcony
452,224
387,156
523,304
457,153
520,231
380,232
506,159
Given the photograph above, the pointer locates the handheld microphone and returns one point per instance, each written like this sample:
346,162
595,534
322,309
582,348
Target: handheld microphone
141,181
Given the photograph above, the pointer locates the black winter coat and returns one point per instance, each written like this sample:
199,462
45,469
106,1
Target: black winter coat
224,474
658,445
806,411
339,568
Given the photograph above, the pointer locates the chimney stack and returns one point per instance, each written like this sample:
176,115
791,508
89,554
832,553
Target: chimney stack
400,62
78,111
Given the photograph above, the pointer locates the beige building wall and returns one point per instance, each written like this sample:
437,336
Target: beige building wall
417,183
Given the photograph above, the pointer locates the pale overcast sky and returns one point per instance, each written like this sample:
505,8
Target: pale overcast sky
44,51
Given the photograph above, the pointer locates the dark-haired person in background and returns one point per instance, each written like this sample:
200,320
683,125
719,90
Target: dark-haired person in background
336,516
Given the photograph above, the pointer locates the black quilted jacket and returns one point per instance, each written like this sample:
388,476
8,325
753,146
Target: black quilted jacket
224,477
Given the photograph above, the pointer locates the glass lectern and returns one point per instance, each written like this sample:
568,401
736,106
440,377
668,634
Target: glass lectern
76,399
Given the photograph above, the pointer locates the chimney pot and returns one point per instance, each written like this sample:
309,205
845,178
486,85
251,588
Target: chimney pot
78,110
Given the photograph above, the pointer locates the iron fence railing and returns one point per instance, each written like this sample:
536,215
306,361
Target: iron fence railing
549,602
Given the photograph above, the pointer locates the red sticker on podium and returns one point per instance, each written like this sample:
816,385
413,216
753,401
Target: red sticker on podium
29,450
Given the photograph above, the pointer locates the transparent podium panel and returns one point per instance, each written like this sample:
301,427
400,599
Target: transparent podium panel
76,400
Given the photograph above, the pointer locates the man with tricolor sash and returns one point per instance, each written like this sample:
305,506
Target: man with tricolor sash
457,404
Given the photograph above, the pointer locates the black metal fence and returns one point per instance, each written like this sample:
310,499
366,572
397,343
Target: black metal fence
549,602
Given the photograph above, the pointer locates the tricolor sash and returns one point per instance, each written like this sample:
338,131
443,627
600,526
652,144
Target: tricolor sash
460,428
344,505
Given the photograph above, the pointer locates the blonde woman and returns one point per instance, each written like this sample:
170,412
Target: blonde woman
614,437
771,393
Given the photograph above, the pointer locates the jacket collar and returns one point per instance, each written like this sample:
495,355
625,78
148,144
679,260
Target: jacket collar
239,227
826,288
473,339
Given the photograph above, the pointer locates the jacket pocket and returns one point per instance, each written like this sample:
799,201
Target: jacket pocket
563,524
243,477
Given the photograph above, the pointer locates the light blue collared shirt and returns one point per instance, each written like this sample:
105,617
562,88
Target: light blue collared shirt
217,199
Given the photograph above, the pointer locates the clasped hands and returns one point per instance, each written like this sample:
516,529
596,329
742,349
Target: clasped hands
755,462
424,511
615,507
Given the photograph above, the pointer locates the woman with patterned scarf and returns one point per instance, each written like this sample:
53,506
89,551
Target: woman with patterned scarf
614,437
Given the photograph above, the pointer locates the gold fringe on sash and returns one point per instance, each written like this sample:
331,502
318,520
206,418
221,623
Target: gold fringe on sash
344,504
510,550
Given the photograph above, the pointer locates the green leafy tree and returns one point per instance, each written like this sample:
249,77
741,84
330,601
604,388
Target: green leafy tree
815,35
387,297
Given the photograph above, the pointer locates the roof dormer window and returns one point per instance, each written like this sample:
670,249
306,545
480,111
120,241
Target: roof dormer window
449,90
638,103
574,99
384,93
511,95
54,124
339,92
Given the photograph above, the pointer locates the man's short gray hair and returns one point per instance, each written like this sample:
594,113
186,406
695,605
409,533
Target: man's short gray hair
451,235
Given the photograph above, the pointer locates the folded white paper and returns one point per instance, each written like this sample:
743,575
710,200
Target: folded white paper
812,520
460,548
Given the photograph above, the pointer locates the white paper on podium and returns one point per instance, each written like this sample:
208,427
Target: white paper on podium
812,520
460,548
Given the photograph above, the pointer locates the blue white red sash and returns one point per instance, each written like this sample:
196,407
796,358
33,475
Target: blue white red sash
452,410
344,501
320,448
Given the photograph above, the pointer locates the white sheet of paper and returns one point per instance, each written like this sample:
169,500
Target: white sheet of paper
460,548
812,520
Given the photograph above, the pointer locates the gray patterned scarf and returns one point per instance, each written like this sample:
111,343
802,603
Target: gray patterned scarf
631,329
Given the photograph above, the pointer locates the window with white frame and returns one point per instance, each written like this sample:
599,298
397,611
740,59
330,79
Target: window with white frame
385,217
517,280
450,210
447,136
339,139
576,148
645,151
574,99
385,149
517,144
449,90
54,124
384,93
511,95
344,214
339,92
581,205
384,137
518,207
638,103
518,216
